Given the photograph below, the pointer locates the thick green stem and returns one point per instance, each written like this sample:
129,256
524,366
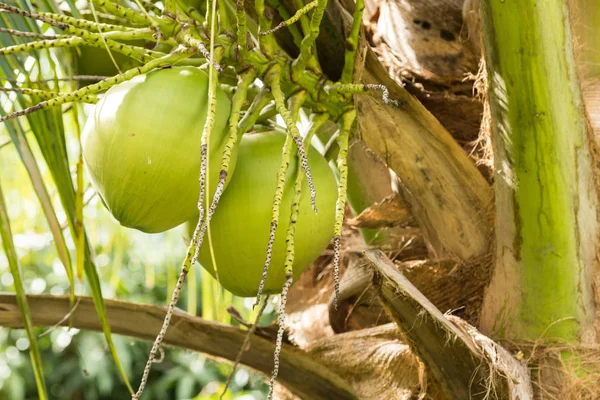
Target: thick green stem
352,43
546,199
268,45
240,14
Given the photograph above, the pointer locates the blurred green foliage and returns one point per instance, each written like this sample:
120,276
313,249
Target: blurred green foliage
133,266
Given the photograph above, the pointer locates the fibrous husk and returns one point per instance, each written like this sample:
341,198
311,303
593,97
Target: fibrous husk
451,286
503,367
560,371
407,38
376,362
389,212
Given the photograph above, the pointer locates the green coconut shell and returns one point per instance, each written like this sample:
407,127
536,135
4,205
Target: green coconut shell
142,144
241,224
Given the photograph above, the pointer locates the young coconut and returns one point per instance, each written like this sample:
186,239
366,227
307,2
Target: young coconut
142,147
240,225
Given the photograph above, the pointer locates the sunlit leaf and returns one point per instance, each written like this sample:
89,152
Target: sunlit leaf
13,263
48,128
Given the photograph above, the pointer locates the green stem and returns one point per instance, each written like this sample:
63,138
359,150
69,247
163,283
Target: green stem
127,13
273,79
340,205
47,95
14,32
190,11
137,53
352,43
293,19
268,45
224,21
78,95
546,200
309,41
304,22
285,14
240,13
63,21
296,102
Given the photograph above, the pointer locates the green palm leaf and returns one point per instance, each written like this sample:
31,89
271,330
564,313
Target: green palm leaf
13,263
48,129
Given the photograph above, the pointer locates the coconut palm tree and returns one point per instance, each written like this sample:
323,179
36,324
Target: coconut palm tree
482,205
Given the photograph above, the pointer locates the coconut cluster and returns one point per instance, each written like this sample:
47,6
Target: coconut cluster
141,146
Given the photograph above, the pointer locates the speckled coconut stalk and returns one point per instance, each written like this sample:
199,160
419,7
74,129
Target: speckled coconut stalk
192,39
105,17
340,207
273,79
63,21
280,332
78,95
14,32
91,26
185,269
293,19
204,192
244,81
290,254
296,102
47,95
194,246
289,276
238,100
245,345
285,162
138,53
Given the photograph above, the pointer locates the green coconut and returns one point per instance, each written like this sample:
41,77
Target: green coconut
241,224
142,144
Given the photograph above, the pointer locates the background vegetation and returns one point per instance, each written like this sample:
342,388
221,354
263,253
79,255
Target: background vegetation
133,266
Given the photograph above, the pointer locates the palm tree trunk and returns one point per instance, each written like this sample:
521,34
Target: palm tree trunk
546,195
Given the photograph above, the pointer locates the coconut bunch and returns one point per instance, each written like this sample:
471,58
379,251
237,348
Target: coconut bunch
167,145
142,146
